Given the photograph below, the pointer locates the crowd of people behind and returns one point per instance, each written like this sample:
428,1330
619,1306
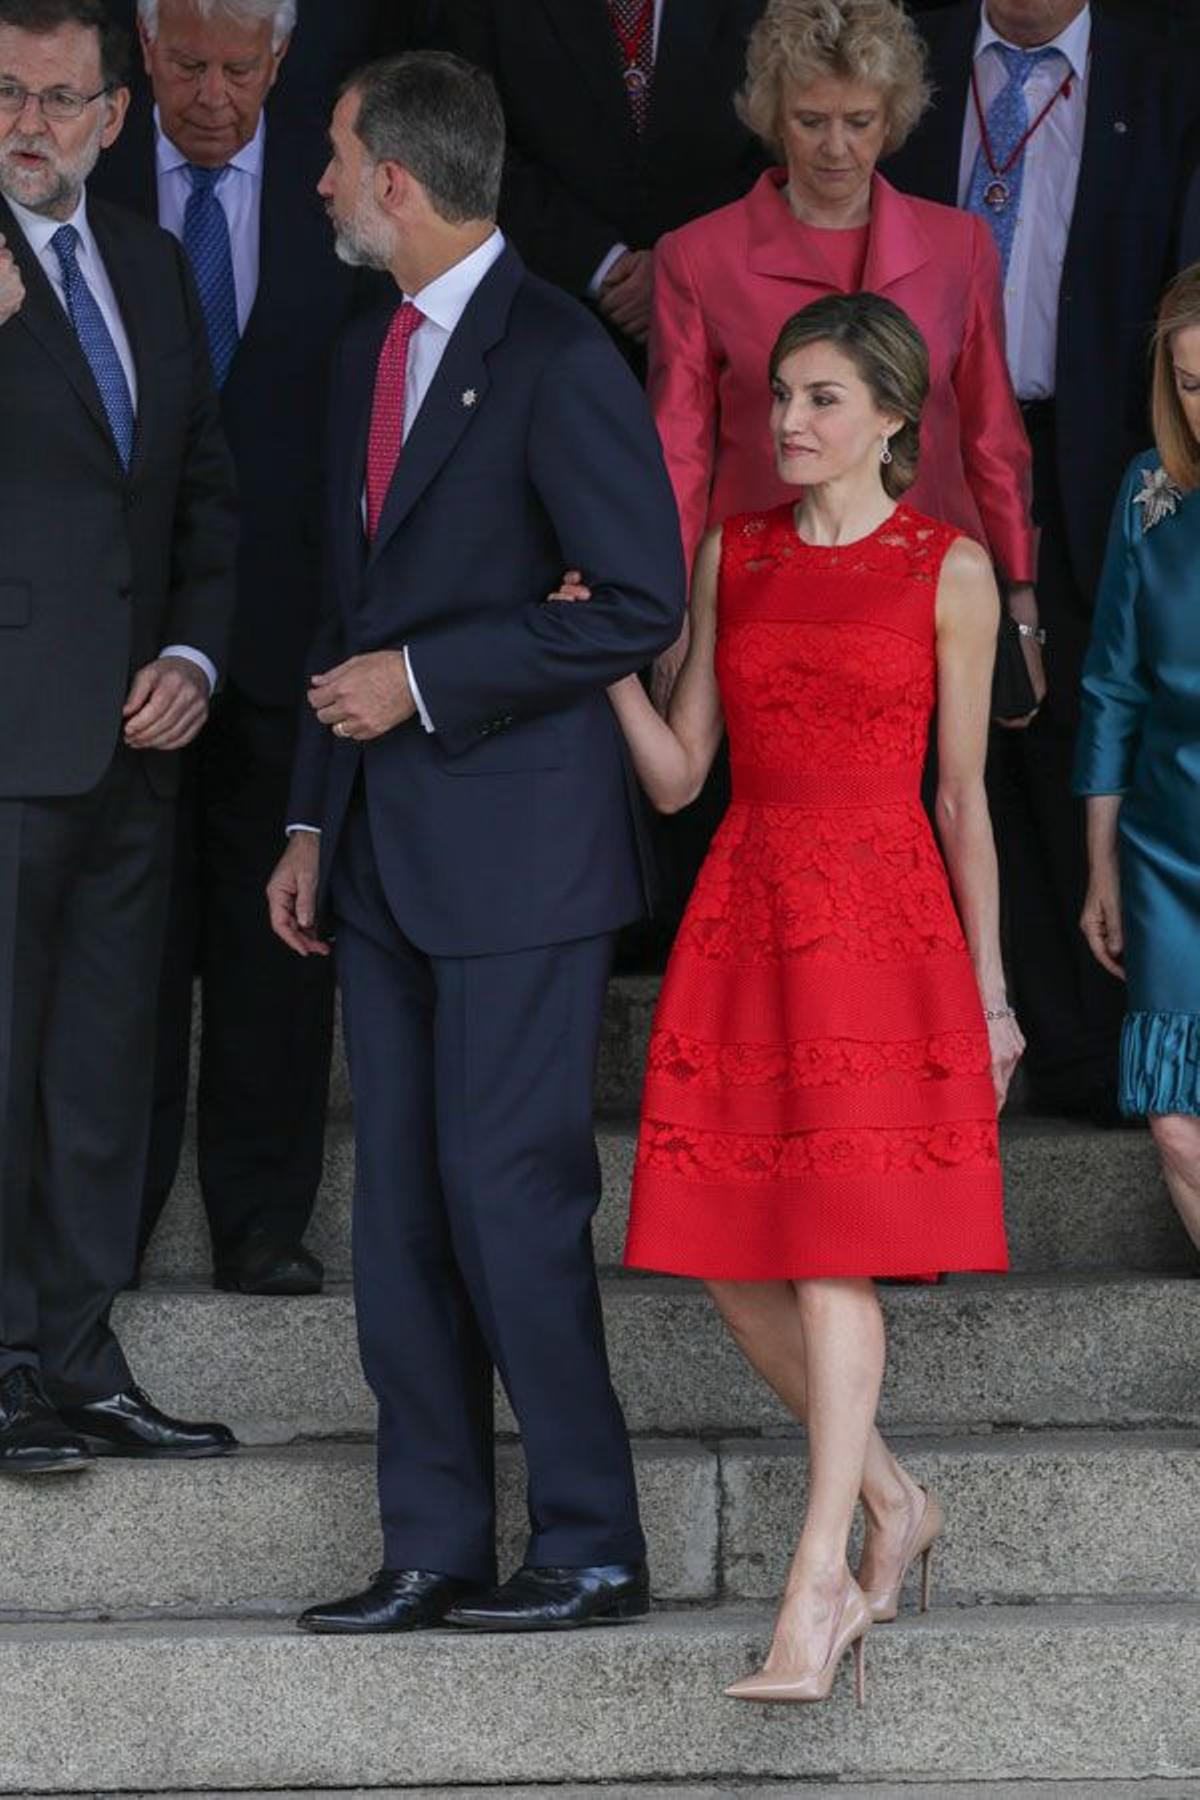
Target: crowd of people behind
889,282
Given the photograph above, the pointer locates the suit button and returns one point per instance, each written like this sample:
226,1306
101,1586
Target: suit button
125,593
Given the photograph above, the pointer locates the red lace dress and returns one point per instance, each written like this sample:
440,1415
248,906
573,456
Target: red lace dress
818,1098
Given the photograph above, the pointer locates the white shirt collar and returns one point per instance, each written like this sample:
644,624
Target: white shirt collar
248,160
39,229
1074,43
445,299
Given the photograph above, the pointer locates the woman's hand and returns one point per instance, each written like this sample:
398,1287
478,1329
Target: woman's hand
1007,1044
1100,921
571,587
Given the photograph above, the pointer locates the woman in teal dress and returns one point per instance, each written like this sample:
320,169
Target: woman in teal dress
1138,759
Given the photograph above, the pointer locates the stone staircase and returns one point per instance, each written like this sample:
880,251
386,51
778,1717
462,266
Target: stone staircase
145,1634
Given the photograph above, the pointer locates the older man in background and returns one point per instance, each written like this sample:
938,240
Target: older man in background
230,165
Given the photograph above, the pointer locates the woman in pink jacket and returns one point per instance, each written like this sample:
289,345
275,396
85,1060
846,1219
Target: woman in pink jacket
833,85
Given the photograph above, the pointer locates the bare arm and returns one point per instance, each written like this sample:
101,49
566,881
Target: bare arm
672,756
968,610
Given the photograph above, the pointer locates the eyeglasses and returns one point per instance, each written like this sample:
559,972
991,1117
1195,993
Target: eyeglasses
58,103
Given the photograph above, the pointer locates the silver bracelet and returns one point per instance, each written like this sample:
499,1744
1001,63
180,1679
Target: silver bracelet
991,1013
1036,632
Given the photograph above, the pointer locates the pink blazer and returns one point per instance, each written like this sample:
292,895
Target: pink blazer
724,285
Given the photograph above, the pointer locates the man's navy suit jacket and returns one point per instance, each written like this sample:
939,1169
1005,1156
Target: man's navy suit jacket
1126,240
517,822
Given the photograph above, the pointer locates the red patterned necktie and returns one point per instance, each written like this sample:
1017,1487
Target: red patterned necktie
633,23
387,411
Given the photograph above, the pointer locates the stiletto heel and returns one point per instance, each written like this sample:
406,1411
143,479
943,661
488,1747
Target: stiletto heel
884,1601
852,1624
860,1670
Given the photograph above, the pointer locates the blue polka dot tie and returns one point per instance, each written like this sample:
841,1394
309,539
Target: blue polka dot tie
206,240
95,340
1007,121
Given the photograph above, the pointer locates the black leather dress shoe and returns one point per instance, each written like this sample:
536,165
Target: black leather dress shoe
130,1424
33,1438
397,1600
558,1600
263,1265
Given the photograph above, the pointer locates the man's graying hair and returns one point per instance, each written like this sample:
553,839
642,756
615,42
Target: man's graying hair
440,118
281,13
42,17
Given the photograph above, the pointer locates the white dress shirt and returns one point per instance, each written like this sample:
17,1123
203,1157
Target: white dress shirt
1051,177
39,230
441,304
239,192
619,250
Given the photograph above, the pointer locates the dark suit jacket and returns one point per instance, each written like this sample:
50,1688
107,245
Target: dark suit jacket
100,569
577,178
1125,243
273,402
516,823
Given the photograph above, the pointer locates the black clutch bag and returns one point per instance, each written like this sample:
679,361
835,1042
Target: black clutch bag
1013,696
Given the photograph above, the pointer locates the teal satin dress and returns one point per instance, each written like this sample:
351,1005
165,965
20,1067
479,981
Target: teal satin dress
1140,738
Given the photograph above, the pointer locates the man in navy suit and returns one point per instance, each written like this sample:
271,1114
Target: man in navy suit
210,110
1091,212
479,846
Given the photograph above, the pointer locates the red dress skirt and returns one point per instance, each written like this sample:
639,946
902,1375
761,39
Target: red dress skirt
818,1100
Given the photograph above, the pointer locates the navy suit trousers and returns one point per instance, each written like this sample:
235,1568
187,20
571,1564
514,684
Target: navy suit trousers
477,1178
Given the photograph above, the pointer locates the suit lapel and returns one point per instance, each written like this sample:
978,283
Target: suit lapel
583,29
897,245
457,394
687,30
941,133
1108,140
135,300
45,318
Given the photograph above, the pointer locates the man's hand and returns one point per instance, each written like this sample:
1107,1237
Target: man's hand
167,704
12,288
292,895
628,294
365,697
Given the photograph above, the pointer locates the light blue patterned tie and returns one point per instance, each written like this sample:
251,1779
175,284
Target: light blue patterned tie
206,240
96,343
1007,121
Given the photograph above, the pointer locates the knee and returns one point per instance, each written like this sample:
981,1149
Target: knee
744,1304
1177,1137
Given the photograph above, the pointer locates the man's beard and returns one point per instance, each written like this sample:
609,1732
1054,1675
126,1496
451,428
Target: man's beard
360,241
50,189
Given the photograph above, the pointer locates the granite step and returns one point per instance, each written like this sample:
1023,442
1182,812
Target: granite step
1076,1198
969,1354
1031,1516
764,1790
1020,1693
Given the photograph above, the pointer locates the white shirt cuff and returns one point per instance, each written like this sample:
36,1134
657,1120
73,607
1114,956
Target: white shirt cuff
422,712
315,829
194,656
602,273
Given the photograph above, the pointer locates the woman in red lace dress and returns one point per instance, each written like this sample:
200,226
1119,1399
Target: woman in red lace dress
833,1036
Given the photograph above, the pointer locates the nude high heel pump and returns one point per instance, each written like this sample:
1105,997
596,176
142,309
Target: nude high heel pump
851,1625
884,1602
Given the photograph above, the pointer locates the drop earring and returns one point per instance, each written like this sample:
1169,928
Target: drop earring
885,455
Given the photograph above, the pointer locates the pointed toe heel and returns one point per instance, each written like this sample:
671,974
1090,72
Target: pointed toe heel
801,1686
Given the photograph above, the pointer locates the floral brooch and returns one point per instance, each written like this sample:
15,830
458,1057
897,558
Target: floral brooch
1159,498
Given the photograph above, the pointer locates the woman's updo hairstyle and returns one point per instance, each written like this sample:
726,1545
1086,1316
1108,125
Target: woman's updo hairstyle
889,355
